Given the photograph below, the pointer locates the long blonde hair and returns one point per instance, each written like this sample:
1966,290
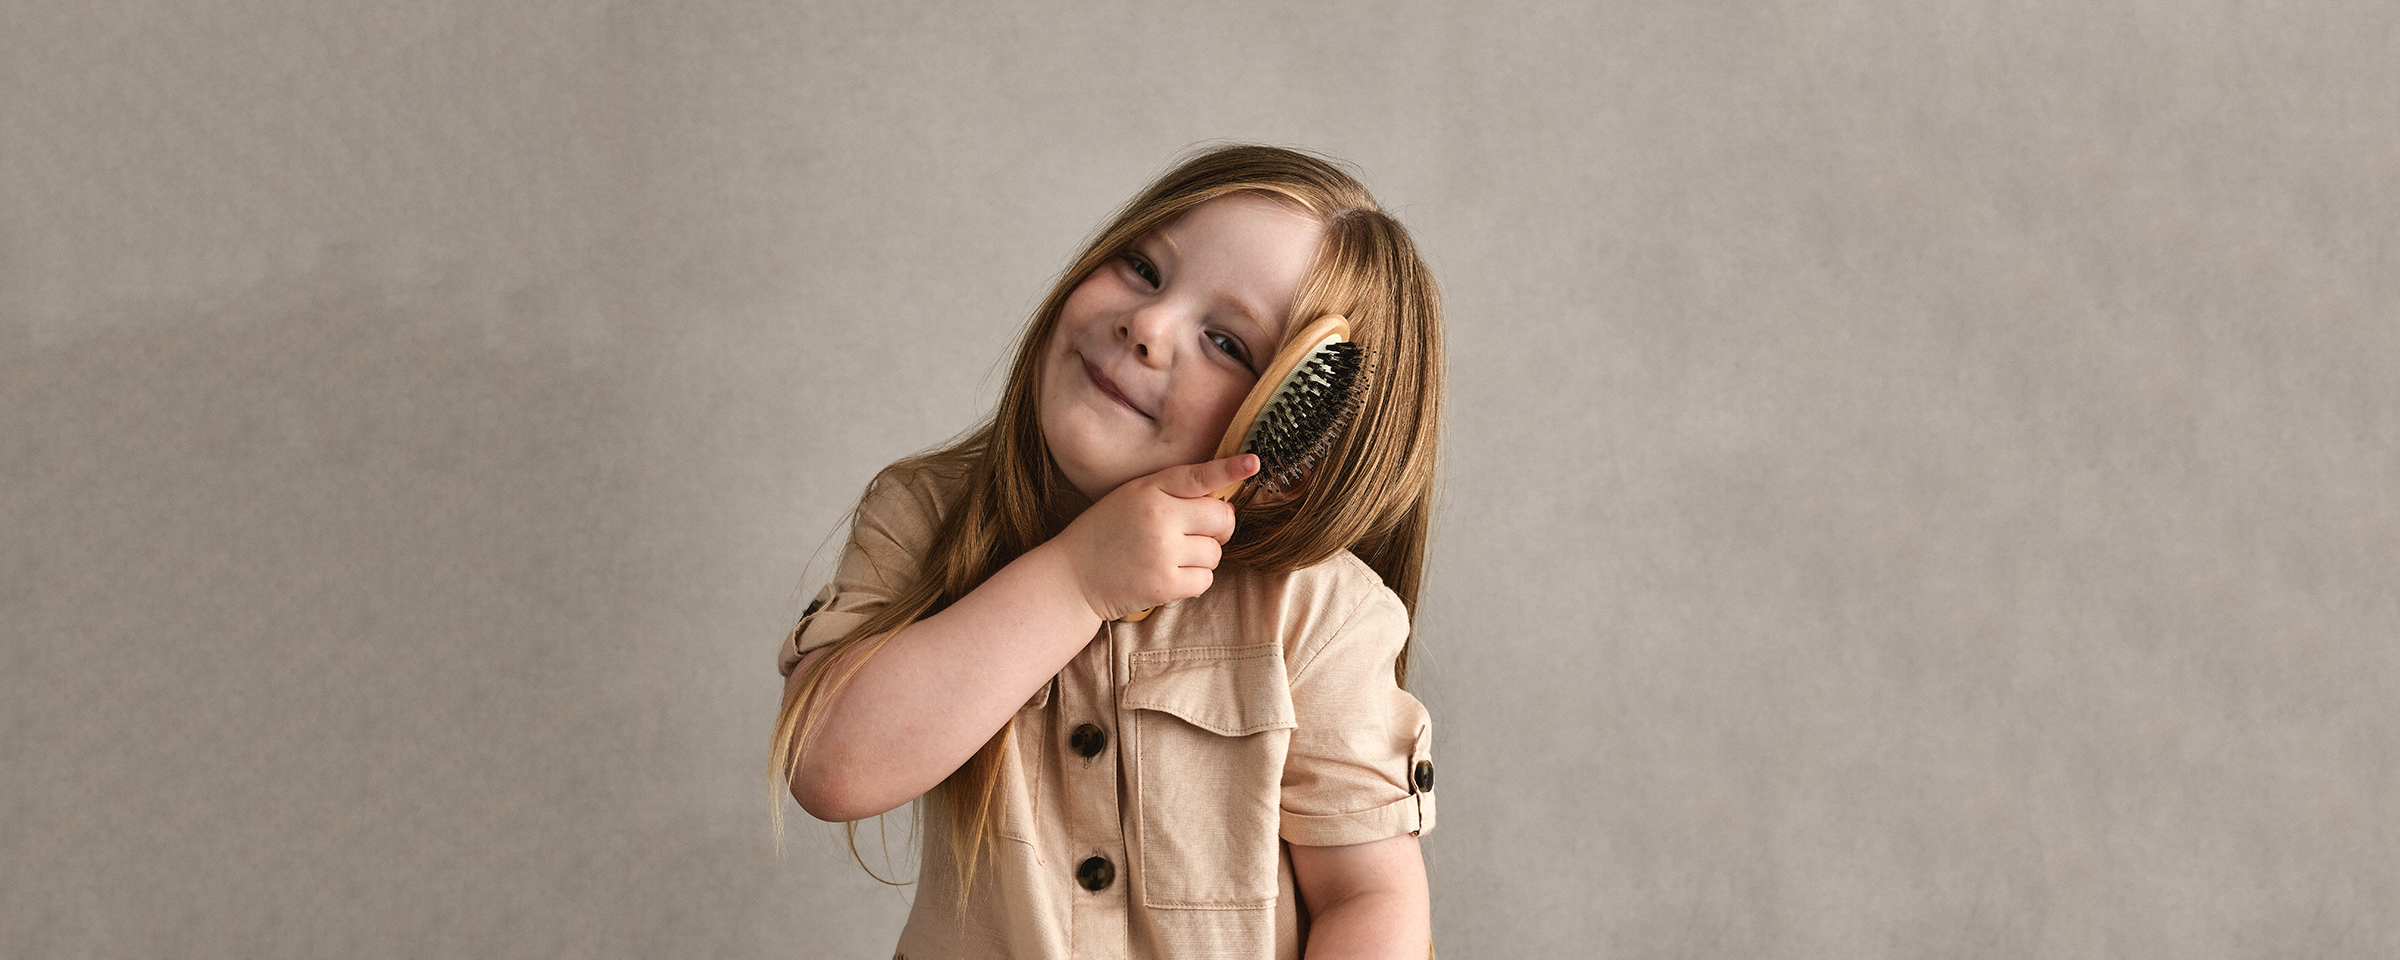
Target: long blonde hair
1371,494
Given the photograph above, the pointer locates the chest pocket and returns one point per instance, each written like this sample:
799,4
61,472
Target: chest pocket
1210,728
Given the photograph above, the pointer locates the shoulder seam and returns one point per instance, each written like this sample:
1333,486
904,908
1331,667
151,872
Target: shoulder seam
1309,657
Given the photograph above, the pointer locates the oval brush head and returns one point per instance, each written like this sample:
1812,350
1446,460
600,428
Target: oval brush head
1307,394
1307,412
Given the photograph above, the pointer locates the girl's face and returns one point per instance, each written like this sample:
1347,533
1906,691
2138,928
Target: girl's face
1155,350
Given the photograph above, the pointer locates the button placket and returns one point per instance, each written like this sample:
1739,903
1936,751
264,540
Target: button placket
1092,841
1087,766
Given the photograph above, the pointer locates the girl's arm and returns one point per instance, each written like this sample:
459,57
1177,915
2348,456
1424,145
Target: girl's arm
1365,900
939,688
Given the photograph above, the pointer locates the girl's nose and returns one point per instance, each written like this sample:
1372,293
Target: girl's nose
1149,332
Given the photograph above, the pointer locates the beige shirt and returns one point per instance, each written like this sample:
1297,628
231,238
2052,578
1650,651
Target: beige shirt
1152,785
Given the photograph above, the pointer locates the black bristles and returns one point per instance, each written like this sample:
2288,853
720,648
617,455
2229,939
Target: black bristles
1310,410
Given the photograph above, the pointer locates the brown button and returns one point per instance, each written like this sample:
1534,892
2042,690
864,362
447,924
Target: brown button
1424,775
1096,874
1088,740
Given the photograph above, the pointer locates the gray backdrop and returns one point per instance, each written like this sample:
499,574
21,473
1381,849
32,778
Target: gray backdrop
1922,478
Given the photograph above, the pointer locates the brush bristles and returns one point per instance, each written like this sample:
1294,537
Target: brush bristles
1301,421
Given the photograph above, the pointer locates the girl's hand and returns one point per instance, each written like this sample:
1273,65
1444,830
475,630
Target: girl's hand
1154,539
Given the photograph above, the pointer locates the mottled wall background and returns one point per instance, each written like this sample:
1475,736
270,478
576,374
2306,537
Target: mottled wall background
1924,478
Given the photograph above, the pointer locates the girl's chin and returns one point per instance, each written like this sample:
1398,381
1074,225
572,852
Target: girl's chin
1084,475
1087,490
1091,447
1095,481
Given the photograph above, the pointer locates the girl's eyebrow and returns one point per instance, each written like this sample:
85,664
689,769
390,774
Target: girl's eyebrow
1249,311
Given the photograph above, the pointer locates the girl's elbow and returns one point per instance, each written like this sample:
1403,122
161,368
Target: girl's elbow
822,799
836,799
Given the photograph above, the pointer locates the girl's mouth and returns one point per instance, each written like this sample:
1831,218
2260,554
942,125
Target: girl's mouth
1109,388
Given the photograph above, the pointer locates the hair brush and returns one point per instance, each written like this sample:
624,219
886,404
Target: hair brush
1305,396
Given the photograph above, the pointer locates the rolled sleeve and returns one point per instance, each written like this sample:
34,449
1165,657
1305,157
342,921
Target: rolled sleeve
895,519
1351,773
816,628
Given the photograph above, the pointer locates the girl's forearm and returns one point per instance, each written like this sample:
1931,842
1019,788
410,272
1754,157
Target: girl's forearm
940,687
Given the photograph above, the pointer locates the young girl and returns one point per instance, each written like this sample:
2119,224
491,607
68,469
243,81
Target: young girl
1241,774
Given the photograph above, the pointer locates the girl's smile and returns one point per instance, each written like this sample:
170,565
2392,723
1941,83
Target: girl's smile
1109,387
1155,350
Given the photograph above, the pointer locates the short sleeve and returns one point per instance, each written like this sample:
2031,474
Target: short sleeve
1360,766
888,534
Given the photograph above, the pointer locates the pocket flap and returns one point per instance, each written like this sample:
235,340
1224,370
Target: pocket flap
1230,691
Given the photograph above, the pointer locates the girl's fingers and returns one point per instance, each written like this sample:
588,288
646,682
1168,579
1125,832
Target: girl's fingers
1197,518
1191,581
1198,480
1199,554
1212,519
1157,540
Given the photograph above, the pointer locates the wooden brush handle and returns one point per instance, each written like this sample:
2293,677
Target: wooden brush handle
1295,352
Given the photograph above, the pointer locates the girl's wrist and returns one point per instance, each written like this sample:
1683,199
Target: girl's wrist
1053,581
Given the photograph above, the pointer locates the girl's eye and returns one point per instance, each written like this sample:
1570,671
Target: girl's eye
1232,347
1143,269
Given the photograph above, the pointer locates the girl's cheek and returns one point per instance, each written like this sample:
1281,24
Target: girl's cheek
1220,414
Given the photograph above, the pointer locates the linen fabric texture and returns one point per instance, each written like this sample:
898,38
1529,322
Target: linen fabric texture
1259,714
